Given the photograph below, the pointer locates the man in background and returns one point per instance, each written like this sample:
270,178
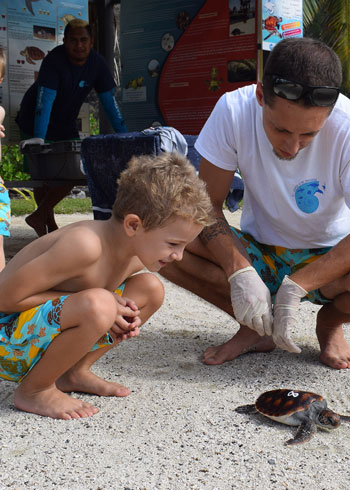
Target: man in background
50,107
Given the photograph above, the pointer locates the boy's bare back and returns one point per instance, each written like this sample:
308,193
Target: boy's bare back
79,256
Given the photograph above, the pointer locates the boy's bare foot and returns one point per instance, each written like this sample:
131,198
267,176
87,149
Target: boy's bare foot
38,225
335,351
52,403
87,382
245,340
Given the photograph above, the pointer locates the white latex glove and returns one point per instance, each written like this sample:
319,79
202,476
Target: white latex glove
31,141
284,312
82,169
251,300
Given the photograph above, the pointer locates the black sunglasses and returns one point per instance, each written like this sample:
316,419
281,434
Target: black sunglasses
323,96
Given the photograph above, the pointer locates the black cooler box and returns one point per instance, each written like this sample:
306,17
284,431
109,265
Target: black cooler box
54,161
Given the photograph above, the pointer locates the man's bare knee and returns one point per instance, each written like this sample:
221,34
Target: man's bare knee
337,287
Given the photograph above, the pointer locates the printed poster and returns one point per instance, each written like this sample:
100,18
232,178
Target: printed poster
29,30
179,57
280,19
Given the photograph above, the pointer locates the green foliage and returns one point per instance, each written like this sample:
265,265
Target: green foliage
94,125
27,194
11,167
329,21
20,207
71,206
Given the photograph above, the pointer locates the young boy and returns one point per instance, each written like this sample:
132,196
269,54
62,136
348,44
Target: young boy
62,286
5,214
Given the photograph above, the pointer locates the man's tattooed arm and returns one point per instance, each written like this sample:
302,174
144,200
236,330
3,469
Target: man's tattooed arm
220,227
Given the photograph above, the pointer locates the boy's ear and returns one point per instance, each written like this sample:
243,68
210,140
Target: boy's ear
132,223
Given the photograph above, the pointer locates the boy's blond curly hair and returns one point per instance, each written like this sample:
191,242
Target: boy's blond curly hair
158,188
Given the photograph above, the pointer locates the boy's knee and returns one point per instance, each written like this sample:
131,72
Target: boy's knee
98,307
156,290
151,286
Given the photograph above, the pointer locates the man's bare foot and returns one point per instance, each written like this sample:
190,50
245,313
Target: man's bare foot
245,340
38,225
52,403
51,224
335,351
83,380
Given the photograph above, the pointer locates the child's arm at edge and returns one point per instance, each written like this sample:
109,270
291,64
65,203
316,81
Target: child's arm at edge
2,129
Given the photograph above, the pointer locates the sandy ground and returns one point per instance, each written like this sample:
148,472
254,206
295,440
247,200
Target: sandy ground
178,428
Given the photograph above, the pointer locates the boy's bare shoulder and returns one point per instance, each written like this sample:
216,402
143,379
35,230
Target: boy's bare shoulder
83,237
2,114
72,245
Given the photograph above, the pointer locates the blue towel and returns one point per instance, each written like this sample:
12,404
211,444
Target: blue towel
104,157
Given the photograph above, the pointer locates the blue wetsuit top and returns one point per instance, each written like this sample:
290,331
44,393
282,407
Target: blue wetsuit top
50,107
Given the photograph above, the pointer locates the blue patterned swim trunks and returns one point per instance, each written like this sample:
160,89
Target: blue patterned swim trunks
5,211
25,336
273,263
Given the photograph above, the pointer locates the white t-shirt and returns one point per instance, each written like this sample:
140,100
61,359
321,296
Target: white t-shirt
302,203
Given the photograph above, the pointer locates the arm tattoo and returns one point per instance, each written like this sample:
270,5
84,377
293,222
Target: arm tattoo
220,227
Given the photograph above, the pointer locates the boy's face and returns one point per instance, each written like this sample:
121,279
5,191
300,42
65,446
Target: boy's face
159,246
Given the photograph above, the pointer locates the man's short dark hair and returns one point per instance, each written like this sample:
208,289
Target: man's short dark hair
76,23
304,60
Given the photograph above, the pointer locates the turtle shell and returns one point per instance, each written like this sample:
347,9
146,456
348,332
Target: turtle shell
35,53
285,402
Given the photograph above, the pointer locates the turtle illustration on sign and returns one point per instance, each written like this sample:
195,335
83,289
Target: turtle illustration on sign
32,53
67,18
30,7
272,25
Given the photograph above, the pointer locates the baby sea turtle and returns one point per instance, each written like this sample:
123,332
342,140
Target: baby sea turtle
32,53
298,408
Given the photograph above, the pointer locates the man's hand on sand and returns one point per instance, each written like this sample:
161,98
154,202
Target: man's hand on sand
251,300
284,311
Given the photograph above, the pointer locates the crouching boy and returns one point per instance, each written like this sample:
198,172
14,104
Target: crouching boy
70,296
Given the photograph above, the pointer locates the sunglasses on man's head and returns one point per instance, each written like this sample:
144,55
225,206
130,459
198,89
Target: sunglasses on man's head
323,96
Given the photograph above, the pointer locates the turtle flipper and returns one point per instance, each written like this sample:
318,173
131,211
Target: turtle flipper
29,6
304,433
246,409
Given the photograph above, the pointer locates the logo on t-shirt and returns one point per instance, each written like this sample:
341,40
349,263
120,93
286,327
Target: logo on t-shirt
305,195
83,84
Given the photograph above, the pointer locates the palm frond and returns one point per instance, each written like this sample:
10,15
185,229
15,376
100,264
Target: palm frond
329,21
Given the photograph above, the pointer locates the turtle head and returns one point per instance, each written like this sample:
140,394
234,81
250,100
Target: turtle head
327,419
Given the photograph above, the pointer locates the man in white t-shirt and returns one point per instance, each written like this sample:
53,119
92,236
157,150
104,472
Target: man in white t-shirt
289,136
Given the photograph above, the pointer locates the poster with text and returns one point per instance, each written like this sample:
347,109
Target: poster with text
29,30
280,19
179,57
